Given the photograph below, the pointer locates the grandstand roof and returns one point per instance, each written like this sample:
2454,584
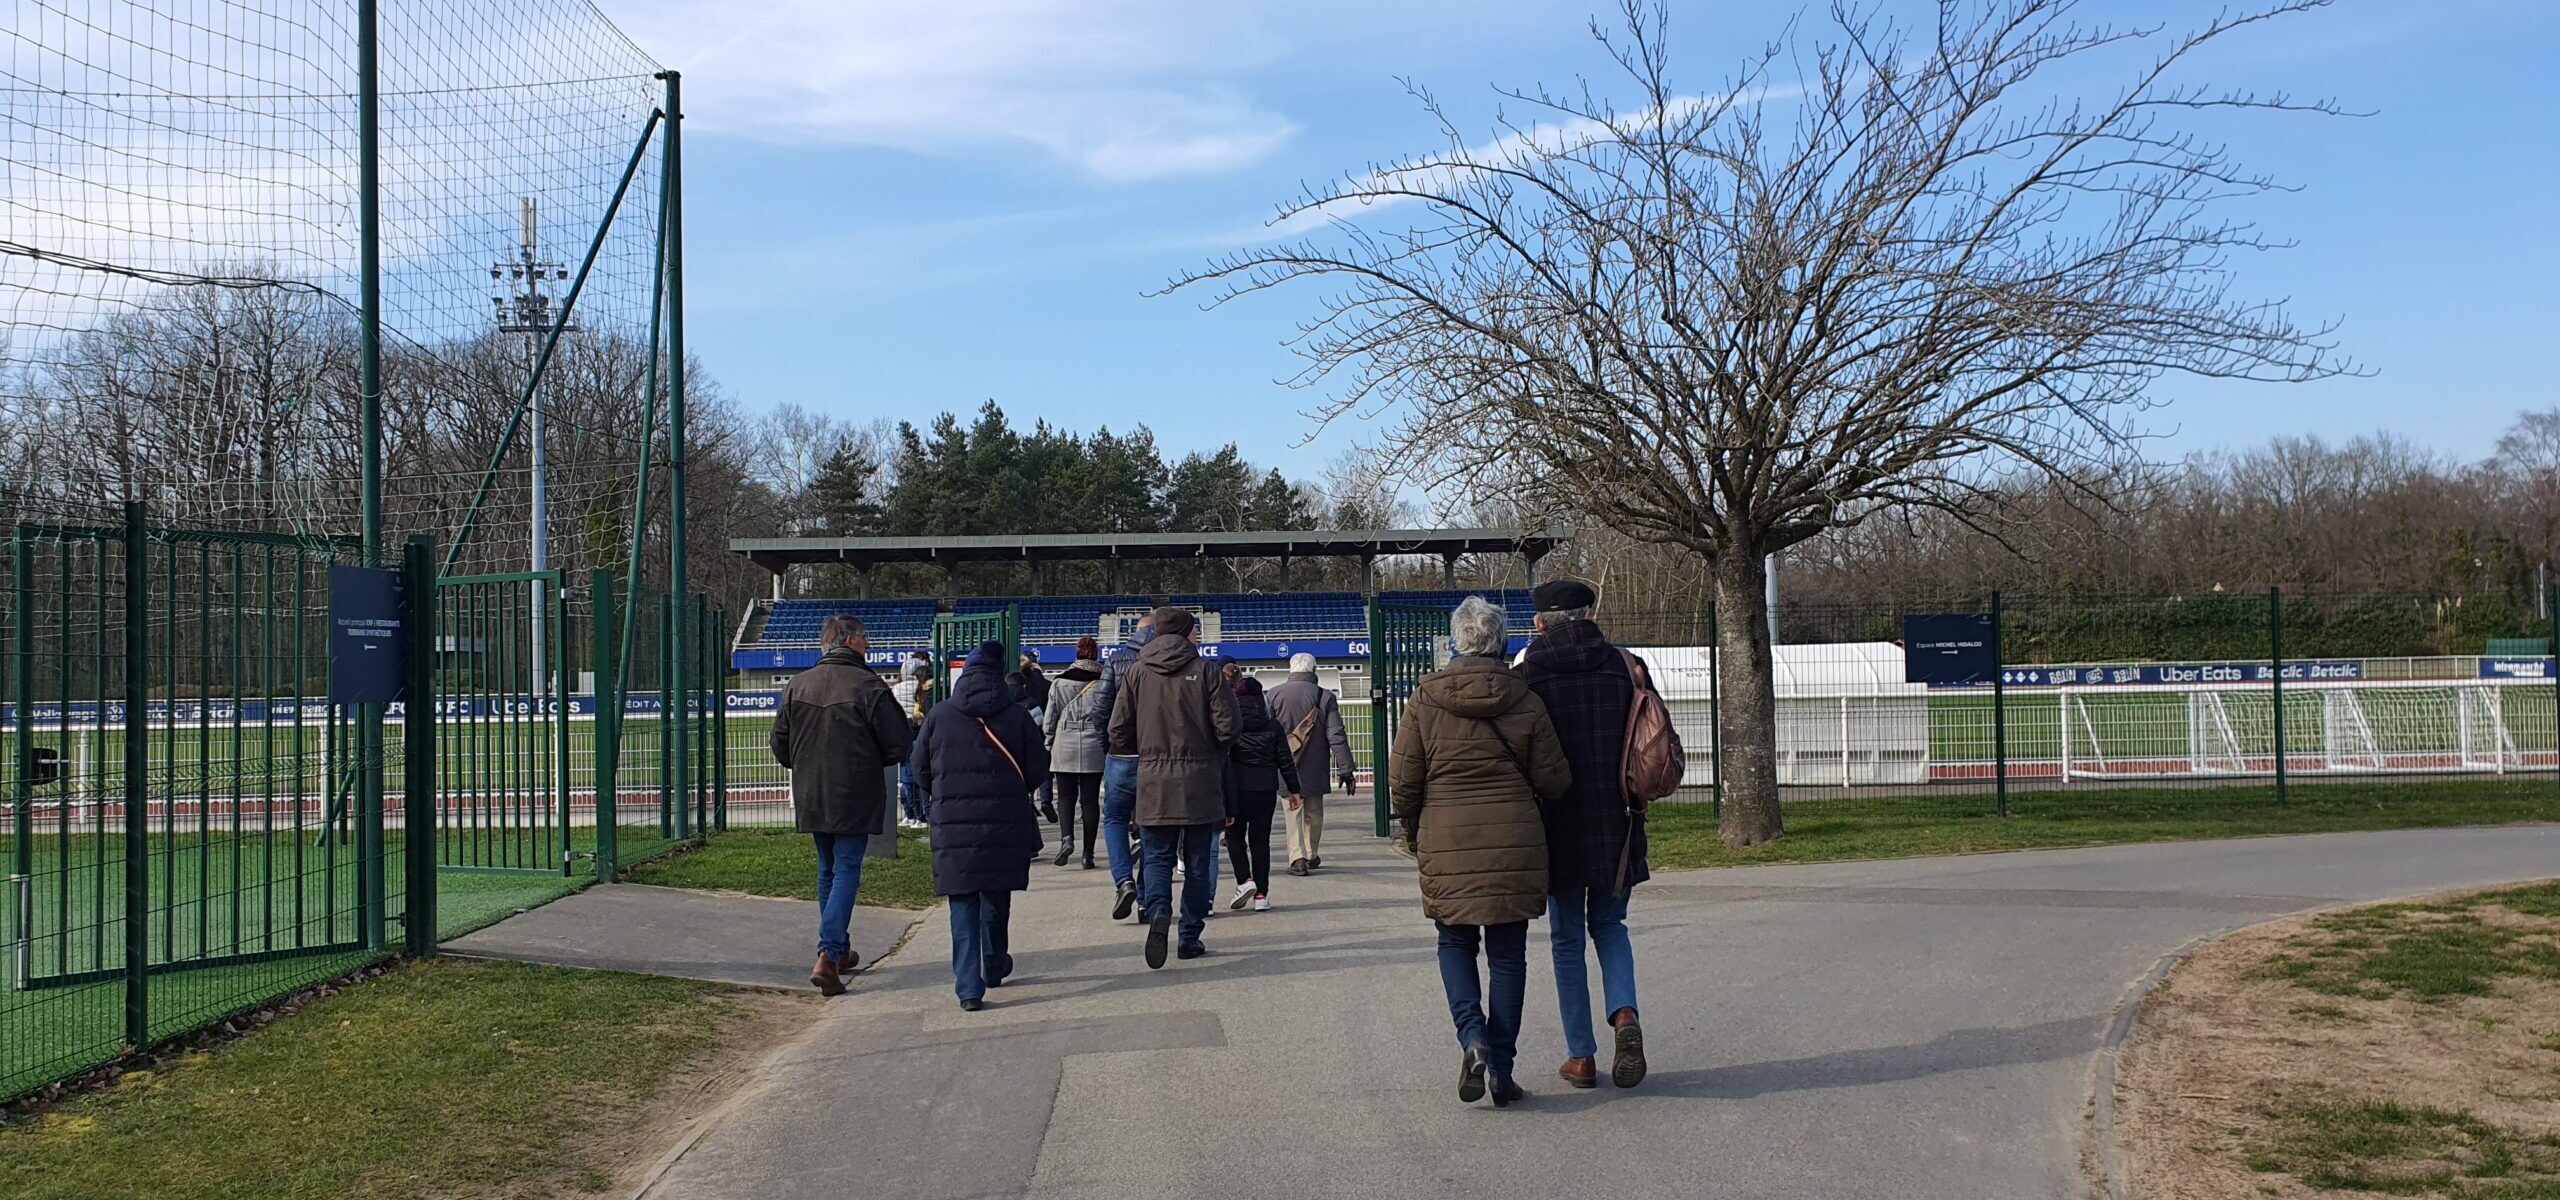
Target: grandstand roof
780,554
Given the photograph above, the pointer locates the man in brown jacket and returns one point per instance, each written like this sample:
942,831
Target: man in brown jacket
837,732
1176,717
1475,760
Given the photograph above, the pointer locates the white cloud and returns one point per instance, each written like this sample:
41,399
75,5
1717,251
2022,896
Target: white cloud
1119,89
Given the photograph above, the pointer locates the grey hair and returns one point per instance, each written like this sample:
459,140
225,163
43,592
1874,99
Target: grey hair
1302,663
840,630
1478,627
1562,615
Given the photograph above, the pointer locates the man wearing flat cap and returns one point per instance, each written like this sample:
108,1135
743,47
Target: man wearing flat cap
1595,837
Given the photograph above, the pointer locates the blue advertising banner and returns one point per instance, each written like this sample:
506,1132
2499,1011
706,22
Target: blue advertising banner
2185,674
365,622
2515,668
1948,649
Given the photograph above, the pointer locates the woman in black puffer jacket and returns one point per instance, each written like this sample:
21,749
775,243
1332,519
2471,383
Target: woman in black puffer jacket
978,761
1259,769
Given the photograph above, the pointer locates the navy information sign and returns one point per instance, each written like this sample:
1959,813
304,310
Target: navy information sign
365,643
1948,649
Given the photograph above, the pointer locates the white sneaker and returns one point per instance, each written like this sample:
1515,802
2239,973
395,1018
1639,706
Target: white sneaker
1244,895
1261,903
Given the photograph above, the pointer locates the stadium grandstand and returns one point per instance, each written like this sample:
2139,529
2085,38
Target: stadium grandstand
780,635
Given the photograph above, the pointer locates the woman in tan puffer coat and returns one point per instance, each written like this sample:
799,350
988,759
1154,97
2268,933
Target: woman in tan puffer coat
1475,756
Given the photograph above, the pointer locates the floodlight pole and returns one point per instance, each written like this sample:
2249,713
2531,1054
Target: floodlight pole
525,308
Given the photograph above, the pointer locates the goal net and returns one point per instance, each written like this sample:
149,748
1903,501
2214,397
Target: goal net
2129,732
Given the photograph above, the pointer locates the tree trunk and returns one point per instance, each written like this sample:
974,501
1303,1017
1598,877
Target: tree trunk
1748,718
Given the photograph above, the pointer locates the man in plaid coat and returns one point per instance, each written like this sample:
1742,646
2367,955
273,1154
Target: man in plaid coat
1589,691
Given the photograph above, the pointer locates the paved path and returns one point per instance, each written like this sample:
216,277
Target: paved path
1918,1028
694,935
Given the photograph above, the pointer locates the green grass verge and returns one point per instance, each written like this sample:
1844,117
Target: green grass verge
1684,835
439,1078
2427,952
778,862
2391,1149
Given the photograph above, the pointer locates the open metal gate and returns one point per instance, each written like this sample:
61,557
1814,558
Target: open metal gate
956,637
1405,644
502,715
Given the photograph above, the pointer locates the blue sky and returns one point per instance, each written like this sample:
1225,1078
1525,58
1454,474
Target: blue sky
897,208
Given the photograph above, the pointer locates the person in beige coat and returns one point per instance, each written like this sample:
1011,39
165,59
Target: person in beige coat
1475,758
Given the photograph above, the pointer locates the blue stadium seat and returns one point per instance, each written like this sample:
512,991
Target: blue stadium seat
1282,617
890,622
1516,606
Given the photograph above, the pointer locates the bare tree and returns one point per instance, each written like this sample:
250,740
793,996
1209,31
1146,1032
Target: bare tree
1730,322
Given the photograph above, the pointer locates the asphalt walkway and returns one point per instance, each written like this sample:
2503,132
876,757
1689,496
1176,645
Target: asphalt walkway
692,935
1914,1028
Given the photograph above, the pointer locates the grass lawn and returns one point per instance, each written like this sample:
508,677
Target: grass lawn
778,862
439,1079
1684,835
2405,1049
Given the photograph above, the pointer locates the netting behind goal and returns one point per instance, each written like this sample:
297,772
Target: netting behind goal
178,273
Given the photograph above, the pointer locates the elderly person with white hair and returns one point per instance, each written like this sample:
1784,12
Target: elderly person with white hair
1475,761
1310,719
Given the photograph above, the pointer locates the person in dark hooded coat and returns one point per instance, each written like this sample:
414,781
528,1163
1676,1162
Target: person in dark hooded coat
978,760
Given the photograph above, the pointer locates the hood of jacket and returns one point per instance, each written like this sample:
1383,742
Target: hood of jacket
980,690
1169,656
1571,648
1474,686
1252,712
1084,670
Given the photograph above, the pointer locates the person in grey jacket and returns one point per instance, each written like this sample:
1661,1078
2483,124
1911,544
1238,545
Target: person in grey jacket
1310,720
1074,723
1177,718
837,732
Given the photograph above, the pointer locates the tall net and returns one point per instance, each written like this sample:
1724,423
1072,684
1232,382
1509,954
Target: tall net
178,265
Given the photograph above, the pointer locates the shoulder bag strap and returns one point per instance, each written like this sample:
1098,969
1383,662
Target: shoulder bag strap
998,743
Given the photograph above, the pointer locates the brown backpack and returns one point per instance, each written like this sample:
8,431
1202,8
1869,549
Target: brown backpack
1652,762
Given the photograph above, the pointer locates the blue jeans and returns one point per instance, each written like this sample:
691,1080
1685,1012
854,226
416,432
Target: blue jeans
1506,953
1119,811
981,942
1198,845
1603,912
910,796
839,878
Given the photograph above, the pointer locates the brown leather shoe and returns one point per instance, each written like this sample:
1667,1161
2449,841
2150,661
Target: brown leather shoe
1629,1069
1580,1072
825,976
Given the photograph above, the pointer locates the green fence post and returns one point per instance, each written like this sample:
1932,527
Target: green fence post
1999,713
137,774
22,653
608,726
2555,680
418,746
1715,712
2275,647
1378,748
720,756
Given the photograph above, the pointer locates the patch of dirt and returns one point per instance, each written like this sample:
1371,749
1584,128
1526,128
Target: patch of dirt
2228,1053
615,1156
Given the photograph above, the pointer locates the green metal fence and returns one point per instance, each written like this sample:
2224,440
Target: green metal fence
1404,645
2204,704
185,835
501,692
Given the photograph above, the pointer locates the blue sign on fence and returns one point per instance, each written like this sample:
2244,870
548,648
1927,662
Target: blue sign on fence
365,636
1949,649
2515,668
